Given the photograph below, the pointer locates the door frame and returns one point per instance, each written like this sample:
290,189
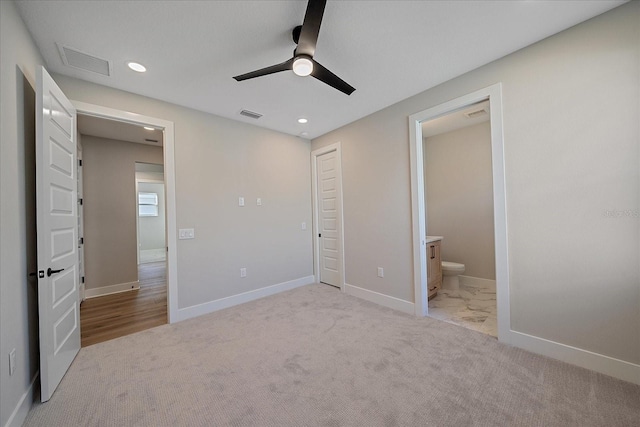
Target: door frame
80,215
418,205
169,184
147,181
337,147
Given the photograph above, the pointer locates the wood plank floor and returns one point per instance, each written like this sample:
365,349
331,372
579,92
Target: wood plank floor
112,316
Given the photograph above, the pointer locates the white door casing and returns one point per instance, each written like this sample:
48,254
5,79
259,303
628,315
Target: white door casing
80,222
170,188
494,94
327,183
57,236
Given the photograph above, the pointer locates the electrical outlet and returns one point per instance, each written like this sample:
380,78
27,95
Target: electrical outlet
12,361
240,201
243,272
380,272
259,201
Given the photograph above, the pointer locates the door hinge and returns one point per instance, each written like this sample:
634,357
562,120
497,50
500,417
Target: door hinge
82,279
80,201
319,234
79,162
82,240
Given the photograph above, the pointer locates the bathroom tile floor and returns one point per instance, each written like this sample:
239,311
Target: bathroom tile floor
473,306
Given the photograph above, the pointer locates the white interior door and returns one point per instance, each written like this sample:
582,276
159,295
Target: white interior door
328,193
57,225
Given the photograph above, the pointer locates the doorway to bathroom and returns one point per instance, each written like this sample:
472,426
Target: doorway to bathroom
459,213
458,187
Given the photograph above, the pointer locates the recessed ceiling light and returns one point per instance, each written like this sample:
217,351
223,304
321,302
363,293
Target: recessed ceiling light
304,133
136,67
149,128
302,120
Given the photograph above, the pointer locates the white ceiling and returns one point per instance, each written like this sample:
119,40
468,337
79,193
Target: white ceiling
457,119
121,131
387,50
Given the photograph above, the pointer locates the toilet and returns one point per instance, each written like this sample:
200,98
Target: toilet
450,272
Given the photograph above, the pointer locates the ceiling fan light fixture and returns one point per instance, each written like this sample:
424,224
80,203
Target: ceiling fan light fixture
302,66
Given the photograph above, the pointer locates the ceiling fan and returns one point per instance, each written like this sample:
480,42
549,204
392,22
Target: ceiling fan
302,63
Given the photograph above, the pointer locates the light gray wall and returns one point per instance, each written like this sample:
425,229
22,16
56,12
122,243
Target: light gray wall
151,229
110,208
459,197
571,135
18,296
216,161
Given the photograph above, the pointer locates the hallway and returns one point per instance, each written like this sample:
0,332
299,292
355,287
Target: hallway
112,316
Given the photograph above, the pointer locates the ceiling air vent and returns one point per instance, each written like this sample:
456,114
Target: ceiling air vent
83,61
476,113
150,140
250,114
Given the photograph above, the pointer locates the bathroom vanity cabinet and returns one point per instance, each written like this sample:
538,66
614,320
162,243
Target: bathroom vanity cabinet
434,268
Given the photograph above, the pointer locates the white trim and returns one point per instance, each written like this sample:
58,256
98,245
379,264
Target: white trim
139,251
80,213
230,301
380,299
586,359
111,289
170,188
337,147
25,403
149,180
494,94
138,227
476,281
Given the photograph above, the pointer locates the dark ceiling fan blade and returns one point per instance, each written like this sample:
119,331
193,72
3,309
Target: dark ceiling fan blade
326,76
286,65
310,27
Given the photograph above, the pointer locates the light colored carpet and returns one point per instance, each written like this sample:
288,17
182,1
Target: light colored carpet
316,357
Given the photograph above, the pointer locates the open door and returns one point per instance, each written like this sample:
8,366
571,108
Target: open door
57,229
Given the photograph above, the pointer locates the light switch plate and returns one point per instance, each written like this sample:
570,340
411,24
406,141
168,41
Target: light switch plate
240,201
380,272
186,233
303,226
243,272
259,201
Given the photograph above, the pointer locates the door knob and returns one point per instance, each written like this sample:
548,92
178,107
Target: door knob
50,271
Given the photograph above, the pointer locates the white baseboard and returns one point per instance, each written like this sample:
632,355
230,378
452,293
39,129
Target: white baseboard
24,405
586,359
477,281
380,299
576,356
219,304
153,255
111,289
